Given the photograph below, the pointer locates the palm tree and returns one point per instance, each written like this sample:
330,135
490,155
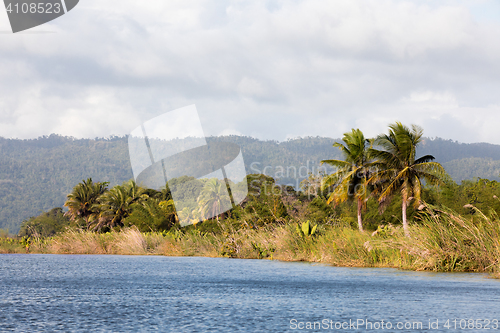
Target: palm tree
398,168
214,198
152,215
351,178
81,201
117,204
189,216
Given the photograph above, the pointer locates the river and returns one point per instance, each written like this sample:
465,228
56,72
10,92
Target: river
83,293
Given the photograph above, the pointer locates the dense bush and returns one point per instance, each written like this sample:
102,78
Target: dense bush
46,224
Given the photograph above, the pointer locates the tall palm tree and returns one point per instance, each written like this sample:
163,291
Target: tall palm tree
117,204
81,201
351,178
214,198
398,168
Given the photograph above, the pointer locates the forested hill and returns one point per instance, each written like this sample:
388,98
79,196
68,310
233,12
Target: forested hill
465,160
36,175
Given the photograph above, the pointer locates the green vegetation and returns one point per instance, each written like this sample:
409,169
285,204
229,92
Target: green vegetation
46,224
306,229
449,226
82,201
399,170
37,174
441,241
212,199
351,179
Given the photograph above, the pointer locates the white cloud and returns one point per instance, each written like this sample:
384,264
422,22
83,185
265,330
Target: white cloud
273,69
431,97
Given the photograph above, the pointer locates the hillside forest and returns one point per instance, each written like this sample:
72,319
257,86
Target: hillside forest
37,174
375,182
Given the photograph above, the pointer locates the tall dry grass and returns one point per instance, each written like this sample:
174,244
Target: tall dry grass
339,246
448,242
441,241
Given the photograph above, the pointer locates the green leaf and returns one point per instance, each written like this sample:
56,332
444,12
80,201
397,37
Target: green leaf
314,229
305,228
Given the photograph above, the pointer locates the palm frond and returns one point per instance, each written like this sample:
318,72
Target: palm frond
424,159
336,163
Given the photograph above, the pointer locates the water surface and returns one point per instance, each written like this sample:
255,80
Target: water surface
169,294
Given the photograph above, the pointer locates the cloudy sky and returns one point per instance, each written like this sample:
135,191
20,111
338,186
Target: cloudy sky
267,69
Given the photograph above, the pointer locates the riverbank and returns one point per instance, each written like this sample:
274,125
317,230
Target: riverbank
441,242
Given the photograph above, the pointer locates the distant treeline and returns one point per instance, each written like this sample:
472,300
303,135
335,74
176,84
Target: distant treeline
37,174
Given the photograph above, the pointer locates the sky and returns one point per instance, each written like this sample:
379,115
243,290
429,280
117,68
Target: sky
268,69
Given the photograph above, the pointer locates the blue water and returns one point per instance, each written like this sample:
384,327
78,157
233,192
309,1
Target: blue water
168,294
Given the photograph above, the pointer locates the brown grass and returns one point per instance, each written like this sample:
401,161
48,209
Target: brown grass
443,241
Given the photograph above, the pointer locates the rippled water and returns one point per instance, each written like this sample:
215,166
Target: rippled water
166,294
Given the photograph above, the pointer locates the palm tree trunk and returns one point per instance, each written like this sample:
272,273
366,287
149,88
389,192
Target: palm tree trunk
405,222
360,221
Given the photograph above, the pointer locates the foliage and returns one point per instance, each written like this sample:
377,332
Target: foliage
350,180
263,251
265,200
152,215
311,186
446,241
213,199
318,210
4,233
81,202
399,170
37,174
442,241
274,220
45,225
306,229
116,204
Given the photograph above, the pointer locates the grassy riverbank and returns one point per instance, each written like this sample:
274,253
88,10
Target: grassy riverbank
441,241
